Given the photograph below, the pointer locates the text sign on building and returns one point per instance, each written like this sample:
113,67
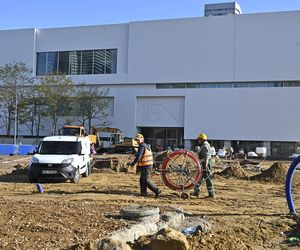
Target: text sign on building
160,111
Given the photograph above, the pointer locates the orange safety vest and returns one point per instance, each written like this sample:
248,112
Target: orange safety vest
146,159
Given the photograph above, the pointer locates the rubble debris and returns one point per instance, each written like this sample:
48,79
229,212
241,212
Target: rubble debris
197,223
116,162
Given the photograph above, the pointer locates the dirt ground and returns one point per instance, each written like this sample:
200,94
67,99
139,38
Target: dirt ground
246,214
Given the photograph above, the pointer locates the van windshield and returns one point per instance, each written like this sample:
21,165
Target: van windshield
59,147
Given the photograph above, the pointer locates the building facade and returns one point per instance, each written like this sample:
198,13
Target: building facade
234,77
221,9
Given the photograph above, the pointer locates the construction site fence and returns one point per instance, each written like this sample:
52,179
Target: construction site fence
11,149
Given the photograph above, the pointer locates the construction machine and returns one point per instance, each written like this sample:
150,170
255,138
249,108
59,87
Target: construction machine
78,130
112,140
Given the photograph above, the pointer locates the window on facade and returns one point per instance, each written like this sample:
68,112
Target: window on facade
178,86
163,86
283,148
224,85
75,61
52,63
278,84
241,85
84,62
63,62
258,84
111,61
208,85
192,85
228,85
291,84
99,62
41,64
87,62
47,63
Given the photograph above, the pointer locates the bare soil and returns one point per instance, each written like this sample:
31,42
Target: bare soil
246,214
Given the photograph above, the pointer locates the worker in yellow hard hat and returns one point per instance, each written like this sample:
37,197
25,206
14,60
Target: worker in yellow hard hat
139,137
204,155
202,137
144,158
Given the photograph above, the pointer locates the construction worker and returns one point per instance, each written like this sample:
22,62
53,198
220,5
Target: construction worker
144,158
205,160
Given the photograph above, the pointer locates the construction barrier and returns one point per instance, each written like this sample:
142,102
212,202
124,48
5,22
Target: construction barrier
10,149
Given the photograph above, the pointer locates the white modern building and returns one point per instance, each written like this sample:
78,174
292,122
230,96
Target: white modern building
221,9
234,77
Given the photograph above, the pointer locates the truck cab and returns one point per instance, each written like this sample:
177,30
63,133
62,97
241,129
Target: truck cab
61,158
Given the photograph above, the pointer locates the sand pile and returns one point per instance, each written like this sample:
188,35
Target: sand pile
276,173
234,170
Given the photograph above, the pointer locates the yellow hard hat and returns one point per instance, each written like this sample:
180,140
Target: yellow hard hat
139,136
202,136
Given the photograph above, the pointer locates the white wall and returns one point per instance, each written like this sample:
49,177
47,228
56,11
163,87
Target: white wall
267,46
250,47
264,114
17,45
183,50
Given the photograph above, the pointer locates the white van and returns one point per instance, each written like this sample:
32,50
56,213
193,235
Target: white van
61,157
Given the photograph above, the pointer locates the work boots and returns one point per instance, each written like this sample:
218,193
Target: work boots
157,194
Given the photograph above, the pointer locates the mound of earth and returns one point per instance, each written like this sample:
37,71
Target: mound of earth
234,170
276,173
117,162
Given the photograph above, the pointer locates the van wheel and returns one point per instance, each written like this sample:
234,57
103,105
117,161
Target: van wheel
76,177
87,171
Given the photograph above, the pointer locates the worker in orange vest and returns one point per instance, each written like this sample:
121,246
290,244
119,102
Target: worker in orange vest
144,158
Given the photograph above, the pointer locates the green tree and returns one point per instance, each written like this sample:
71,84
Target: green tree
53,90
92,103
33,111
14,77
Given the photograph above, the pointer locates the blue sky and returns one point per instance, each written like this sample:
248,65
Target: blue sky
18,14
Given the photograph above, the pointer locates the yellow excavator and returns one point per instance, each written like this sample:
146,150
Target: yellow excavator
112,140
78,130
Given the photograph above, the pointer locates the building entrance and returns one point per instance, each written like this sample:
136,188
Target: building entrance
164,137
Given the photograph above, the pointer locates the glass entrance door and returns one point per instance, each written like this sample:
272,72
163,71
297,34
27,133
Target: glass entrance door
163,137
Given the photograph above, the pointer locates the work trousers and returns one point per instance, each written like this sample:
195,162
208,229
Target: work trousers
145,180
207,177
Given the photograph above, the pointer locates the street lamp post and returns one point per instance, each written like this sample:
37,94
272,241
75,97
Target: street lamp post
16,116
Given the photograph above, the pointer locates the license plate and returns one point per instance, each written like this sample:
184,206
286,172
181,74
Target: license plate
49,171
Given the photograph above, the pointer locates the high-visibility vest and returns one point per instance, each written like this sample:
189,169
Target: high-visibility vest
146,159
